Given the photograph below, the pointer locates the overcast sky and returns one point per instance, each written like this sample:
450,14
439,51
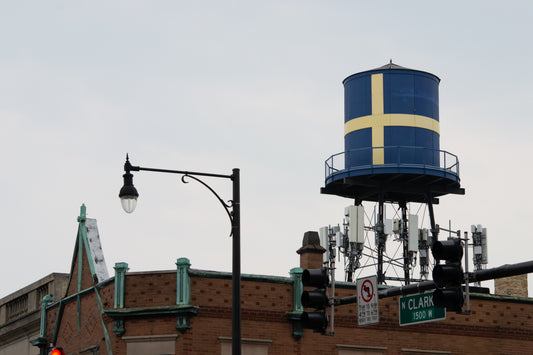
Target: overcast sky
215,85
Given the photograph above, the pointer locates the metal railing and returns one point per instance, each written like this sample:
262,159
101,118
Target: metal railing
394,156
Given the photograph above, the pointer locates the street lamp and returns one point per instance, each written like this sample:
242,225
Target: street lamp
128,196
128,193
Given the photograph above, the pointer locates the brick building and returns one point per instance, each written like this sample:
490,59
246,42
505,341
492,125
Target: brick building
188,311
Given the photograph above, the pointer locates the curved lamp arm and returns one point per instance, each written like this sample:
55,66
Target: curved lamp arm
226,206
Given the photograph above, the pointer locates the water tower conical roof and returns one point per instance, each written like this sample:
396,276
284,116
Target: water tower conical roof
391,65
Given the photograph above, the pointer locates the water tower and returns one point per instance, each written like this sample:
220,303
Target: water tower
392,147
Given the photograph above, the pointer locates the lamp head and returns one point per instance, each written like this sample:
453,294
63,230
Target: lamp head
128,193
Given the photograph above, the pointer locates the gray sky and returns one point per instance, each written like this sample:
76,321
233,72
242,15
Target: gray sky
213,85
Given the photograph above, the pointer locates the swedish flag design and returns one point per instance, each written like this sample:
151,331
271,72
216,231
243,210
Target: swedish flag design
391,116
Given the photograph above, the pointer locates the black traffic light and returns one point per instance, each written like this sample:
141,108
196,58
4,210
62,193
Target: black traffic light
448,277
317,299
449,298
56,351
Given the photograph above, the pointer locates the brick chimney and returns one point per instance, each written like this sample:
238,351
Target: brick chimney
311,251
511,286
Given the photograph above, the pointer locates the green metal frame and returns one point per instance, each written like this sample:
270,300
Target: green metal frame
183,311
120,287
183,295
296,315
82,244
40,341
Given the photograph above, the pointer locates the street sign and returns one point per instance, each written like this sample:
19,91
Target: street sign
367,301
419,308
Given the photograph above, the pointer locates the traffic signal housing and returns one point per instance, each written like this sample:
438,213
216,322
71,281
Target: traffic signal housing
317,299
449,276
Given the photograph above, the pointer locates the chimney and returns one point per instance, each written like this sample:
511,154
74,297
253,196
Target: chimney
511,286
311,251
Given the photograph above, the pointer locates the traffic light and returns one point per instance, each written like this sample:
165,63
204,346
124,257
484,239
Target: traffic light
317,299
56,351
448,277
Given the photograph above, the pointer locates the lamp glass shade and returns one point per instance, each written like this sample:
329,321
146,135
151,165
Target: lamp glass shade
128,193
128,203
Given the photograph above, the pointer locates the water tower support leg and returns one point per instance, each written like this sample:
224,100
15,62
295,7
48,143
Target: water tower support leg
434,230
381,241
405,240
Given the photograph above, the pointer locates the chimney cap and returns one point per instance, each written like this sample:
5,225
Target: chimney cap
311,243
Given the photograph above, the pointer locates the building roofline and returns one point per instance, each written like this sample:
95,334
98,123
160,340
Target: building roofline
34,285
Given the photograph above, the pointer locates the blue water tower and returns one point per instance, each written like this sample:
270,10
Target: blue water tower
391,139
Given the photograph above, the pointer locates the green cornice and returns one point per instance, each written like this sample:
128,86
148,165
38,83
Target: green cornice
244,277
39,341
161,311
501,298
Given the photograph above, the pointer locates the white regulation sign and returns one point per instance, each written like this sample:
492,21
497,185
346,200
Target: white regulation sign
367,300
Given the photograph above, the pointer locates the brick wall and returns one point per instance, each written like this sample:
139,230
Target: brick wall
511,286
496,324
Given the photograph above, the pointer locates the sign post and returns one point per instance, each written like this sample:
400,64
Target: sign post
419,308
367,301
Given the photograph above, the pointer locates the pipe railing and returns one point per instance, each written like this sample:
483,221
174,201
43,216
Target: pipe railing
395,156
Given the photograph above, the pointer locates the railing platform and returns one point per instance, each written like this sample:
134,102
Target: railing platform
409,174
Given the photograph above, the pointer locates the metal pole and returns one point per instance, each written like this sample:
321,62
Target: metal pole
481,275
393,291
182,172
408,289
467,280
381,241
236,271
434,229
502,271
405,240
332,245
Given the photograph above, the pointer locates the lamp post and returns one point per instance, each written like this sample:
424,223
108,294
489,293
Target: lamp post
128,196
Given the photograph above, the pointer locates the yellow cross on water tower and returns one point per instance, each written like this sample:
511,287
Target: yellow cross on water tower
378,120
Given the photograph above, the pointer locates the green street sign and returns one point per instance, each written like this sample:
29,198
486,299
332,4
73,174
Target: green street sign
419,308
